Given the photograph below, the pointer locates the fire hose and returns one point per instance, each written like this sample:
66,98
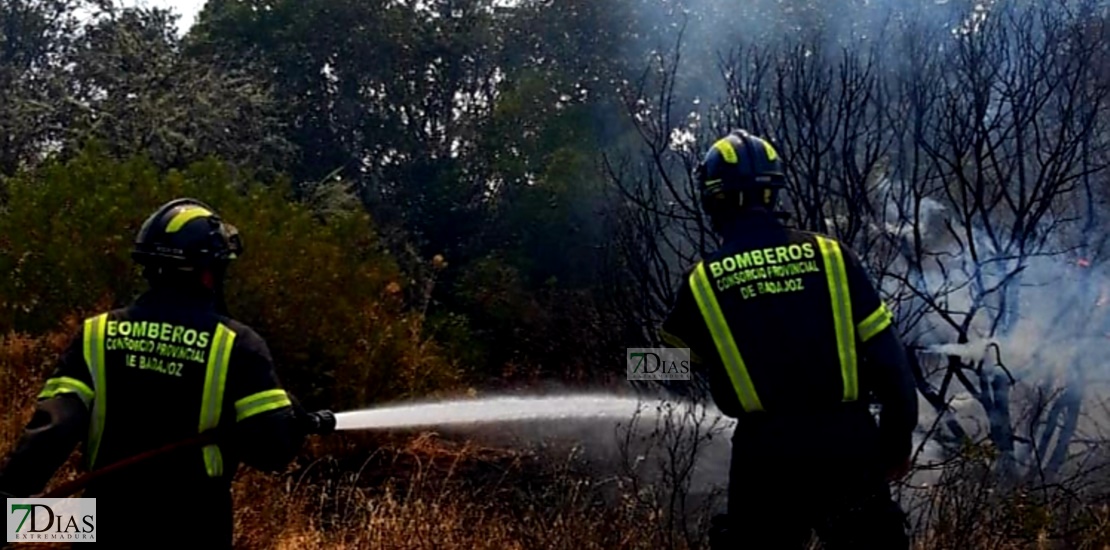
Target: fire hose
314,423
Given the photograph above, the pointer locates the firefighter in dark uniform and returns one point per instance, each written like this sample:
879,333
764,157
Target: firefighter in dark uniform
796,344
170,366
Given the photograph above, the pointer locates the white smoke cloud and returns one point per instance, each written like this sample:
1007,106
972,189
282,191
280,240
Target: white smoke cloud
1040,318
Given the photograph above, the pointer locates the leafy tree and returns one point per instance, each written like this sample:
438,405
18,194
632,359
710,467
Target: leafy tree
37,37
482,156
135,92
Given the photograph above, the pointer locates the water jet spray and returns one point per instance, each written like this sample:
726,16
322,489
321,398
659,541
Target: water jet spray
461,412
457,412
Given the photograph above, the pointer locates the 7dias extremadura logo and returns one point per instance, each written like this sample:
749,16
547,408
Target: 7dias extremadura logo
51,519
658,363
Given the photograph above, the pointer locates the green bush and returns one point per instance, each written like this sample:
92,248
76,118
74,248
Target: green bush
321,290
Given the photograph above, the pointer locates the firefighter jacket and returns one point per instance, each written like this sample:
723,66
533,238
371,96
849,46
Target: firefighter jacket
162,370
796,342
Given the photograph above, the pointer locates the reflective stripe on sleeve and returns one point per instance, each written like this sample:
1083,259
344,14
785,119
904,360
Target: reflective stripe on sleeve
875,323
64,384
261,402
676,342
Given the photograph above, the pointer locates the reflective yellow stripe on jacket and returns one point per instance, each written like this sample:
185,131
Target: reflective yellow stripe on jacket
215,379
837,277
722,336
211,405
846,331
94,358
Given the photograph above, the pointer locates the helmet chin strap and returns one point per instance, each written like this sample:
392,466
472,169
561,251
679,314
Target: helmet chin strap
216,278
221,303
209,279
720,217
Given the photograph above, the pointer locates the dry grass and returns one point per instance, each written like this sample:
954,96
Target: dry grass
433,501
422,491
407,491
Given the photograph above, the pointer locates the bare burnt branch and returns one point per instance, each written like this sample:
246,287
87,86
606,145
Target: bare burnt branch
960,164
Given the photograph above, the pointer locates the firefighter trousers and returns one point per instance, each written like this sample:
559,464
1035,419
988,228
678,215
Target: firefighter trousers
771,510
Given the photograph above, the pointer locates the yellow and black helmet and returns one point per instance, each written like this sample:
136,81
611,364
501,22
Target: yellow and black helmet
740,169
186,233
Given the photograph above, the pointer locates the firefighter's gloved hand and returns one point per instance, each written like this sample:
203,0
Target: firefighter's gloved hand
301,416
319,423
312,423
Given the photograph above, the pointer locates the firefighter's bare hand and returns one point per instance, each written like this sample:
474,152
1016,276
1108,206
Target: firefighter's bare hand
900,471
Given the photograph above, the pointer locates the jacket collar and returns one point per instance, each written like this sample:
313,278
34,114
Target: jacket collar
186,297
749,221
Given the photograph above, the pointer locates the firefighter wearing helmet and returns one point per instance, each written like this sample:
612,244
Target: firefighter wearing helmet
796,344
166,368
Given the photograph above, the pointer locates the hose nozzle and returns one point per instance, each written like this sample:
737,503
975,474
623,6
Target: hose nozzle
321,422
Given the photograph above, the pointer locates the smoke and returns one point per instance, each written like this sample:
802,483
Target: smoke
1029,307
714,29
1027,324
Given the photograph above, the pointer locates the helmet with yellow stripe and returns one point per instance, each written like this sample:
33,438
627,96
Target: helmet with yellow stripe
739,171
186,234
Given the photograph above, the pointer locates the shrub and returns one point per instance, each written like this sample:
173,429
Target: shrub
320,289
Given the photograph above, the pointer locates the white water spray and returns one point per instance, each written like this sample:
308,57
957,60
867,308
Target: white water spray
584,407
588,419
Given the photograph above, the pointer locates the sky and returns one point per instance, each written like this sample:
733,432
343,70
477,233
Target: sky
187,9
